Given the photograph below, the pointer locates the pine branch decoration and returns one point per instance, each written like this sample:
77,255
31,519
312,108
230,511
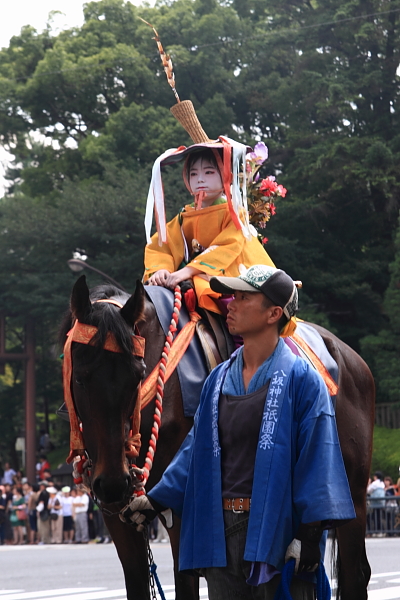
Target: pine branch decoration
165,59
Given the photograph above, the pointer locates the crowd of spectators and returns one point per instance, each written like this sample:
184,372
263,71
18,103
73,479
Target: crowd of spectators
45,512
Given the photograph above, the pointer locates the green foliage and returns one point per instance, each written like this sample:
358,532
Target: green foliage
57,457
382,351
11,410
386,452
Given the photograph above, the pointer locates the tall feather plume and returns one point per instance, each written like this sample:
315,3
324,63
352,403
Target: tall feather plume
165,59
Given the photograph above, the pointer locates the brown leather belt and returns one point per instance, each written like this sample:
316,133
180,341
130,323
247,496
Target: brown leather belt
237,505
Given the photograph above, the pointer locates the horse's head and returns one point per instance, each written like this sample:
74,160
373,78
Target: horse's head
104,383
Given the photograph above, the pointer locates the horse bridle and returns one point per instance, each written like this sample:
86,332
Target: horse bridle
138,476
83,333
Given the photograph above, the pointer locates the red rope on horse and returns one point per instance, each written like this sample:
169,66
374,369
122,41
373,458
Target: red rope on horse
160,387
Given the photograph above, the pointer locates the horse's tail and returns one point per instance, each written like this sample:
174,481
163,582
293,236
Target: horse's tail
335,564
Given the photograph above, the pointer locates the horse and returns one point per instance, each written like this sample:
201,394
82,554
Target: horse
104,387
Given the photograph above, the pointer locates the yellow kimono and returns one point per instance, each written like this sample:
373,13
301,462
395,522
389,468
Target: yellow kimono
225,248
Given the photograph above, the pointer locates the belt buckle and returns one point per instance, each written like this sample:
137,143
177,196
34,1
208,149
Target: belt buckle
237,512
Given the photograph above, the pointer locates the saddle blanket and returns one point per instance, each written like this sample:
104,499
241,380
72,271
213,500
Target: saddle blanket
192,368
310,339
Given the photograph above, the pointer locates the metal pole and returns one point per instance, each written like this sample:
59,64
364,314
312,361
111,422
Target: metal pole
2,341
77,265
30,416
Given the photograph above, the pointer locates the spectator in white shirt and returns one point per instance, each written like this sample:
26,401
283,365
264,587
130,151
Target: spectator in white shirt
80,507
68,523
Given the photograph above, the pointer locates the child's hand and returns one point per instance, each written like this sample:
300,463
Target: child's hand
177,277
159,278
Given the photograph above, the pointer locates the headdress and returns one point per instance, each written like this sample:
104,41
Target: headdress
232,165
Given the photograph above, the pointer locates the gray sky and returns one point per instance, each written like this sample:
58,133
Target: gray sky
18,13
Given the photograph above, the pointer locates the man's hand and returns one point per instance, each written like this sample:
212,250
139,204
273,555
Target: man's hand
304,548
141,511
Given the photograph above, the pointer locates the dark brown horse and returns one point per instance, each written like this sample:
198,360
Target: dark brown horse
104,387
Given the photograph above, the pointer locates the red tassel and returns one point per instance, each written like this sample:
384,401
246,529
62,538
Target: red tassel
190,300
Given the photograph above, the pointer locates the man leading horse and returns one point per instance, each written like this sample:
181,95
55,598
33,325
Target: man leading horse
260,476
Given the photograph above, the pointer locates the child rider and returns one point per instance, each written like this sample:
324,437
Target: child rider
211,236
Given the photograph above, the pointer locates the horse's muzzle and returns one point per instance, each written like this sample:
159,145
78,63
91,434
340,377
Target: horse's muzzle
110,490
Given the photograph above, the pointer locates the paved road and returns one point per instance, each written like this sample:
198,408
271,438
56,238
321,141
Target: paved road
93,572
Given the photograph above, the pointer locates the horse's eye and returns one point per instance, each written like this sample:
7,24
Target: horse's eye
79,382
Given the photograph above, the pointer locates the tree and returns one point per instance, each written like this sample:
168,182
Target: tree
327,98
382,350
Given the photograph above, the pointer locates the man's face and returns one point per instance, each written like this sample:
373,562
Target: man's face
247,314
204,177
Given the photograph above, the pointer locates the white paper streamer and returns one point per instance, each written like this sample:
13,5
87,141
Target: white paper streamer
155,201
239,191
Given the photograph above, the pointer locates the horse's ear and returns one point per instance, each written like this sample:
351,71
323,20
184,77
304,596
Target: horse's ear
133,310
80,301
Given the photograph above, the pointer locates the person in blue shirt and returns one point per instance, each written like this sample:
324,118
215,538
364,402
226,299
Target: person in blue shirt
260,476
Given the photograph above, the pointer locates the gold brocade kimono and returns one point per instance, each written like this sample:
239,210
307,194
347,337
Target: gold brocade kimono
225,248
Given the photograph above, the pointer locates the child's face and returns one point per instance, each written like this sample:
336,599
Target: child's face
203,176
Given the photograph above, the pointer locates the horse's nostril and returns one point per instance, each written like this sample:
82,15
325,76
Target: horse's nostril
110,489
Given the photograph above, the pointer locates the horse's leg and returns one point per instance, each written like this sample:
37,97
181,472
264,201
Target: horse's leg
355,408
132,552
354,572
186,586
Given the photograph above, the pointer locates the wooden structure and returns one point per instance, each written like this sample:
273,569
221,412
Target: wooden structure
387,415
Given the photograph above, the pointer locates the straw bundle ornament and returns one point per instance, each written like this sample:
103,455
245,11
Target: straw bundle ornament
183,111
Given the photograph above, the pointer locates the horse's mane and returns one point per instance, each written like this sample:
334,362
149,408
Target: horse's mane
106,317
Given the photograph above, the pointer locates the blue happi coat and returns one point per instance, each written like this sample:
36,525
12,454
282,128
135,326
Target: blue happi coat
299,474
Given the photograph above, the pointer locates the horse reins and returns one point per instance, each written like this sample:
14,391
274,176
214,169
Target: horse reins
173,326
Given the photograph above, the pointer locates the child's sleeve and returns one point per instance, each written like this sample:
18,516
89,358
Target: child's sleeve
167,256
